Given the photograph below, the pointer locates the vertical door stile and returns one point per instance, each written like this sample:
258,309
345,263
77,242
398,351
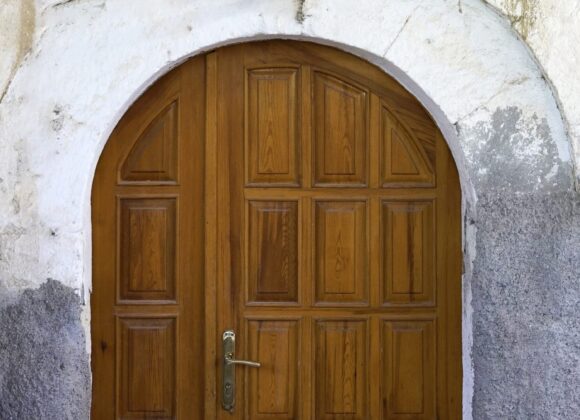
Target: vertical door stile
211,211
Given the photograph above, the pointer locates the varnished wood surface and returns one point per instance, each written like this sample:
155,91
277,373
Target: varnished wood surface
301,197
148,256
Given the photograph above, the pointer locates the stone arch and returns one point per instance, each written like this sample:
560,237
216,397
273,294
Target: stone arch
474,76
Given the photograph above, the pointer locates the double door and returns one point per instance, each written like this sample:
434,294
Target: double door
285,204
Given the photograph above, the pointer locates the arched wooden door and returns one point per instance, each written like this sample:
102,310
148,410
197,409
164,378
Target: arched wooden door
299,198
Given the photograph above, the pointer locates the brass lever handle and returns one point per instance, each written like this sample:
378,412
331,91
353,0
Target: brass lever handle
229,358
229,370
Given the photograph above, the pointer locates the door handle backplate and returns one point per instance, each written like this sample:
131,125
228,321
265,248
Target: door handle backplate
229,370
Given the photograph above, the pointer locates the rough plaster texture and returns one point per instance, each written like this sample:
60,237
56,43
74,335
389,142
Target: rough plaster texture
551,29
526,283
89,59
43,362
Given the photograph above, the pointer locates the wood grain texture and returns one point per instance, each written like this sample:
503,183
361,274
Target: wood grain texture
272,136
153,157
408,252
341,252
404,161
341,369
148,237
408,369
273,390
272,251
148,269
146,380
313,207
340,126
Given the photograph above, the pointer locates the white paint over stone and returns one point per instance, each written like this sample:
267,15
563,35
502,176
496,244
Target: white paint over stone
91,59
551,28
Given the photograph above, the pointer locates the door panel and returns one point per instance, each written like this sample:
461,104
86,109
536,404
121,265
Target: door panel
409,369
340,132
147,376
341,369
272,142
300,197
148,236
273,390
408,251
272,251
341,253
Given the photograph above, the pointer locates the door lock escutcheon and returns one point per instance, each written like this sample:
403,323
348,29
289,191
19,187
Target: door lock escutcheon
229,370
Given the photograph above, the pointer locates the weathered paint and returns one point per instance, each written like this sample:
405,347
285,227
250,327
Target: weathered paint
550,29
90,59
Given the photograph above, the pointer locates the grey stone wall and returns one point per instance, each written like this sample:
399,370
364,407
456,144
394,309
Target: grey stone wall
44,368
526,303
526,273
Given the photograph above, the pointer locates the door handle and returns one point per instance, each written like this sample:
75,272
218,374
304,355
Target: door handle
229,370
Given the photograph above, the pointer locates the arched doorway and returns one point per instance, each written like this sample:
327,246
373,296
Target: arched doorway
300,198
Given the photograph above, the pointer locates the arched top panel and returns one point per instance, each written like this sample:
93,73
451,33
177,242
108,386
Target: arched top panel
347,107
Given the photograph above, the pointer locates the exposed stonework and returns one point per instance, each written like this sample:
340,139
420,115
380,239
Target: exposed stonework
44,369
526,283
89,59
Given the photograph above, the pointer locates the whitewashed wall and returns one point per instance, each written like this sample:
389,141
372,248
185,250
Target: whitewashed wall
73,67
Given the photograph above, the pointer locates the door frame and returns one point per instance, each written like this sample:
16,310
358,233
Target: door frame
216,255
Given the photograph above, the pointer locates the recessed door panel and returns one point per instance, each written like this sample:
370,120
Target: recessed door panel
148,239
341,252
272,251
273,389
272,140
408,369
340,132
341,369
146,357
408,252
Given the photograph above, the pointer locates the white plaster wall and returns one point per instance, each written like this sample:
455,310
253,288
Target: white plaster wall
90,59
551,28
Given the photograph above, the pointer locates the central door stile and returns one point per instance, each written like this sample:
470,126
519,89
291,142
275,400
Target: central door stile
211,233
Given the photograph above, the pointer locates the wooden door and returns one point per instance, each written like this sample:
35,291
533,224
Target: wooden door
300,197
148,256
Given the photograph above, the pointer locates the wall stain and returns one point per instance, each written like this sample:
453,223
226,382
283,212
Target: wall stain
523,15
300,16
27,26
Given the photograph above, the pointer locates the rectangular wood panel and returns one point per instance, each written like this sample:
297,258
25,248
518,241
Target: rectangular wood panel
147,229
341,252
408,250
341,369
340,124
408,370
147,372
273,391
272,251
272,141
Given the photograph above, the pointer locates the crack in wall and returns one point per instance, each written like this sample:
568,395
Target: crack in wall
400,31
504,86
